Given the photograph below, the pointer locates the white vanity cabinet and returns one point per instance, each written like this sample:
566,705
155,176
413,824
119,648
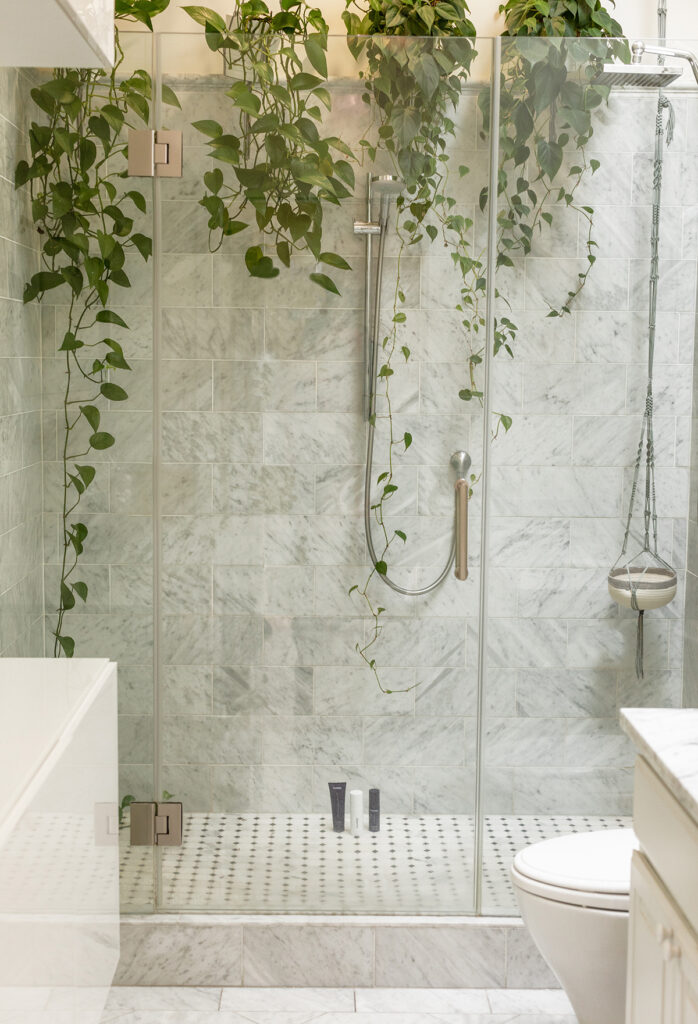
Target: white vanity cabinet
663,955
663,936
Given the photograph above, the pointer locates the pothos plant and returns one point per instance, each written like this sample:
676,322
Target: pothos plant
86,215
415,94
413,87
548,99
275,168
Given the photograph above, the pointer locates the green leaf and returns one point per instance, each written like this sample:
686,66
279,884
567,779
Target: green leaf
91,414
143,244
67,597
87,473
549,157
352,589
107,316
99,127
315,46
325,282
401,535
70,342
407,439
138,200
334,260
205,16
213,180
101,440
170,97
243,97
258,264
80,589
67,645
115,357
506,421
381,568
113,392
210,128
304,81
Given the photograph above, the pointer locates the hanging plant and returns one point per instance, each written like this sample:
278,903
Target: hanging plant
413,87
548,99
85,216
277,168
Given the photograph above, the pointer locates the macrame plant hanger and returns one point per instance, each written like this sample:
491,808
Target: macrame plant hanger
646,580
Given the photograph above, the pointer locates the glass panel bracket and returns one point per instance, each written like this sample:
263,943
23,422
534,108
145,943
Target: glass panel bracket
154,153
156,824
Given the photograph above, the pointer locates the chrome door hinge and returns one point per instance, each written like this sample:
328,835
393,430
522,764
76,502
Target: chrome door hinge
156,824
154,154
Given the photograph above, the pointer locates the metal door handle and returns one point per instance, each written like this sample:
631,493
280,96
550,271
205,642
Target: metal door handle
462,491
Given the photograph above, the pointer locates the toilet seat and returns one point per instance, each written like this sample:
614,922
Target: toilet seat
586,869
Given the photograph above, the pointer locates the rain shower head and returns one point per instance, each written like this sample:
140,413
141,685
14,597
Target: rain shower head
647,76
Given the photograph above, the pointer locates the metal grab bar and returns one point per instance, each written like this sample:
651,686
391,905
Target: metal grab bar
462,491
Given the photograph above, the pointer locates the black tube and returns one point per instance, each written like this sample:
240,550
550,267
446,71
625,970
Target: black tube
338,795
374,810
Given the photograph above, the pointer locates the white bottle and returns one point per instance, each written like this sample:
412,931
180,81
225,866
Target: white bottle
356,811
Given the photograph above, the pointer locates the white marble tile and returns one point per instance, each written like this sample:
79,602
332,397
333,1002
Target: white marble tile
163,998
179,953
448,956
315,954
528,1001
288,1000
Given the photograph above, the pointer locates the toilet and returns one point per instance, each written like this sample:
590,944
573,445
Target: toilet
574,896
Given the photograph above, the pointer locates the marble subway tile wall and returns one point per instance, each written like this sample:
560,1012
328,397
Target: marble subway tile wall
560,481
264,697
690,690
21,572
264,700
117,619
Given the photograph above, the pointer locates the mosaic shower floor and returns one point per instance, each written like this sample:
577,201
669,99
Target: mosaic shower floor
294,863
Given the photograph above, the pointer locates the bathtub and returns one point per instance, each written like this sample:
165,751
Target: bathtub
59,868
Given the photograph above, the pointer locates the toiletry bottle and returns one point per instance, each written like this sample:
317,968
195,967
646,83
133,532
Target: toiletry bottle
374,810
356,811
338,793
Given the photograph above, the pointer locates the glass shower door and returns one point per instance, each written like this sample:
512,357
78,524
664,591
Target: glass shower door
280,669
575,226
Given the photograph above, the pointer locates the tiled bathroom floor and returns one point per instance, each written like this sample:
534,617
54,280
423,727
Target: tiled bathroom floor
336,1006
270,863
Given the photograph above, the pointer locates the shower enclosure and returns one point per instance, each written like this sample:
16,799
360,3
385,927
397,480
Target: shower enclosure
229,559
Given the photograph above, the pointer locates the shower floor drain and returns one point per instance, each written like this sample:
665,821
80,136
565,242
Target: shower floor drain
295,863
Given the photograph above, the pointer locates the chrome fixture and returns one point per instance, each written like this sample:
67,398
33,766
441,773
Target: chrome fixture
386,187
647,75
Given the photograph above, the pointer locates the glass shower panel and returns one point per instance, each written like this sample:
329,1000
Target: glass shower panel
116,620
576,165
280,671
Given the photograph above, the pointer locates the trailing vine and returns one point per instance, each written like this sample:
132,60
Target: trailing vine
413,90
280,168
86,221
548,98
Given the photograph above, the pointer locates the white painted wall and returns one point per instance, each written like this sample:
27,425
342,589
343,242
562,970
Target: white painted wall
638,17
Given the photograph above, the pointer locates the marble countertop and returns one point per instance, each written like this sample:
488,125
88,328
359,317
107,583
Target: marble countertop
668,739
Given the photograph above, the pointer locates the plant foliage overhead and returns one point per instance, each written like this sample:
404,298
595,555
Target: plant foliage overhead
554,18
276,167
86,217
548,101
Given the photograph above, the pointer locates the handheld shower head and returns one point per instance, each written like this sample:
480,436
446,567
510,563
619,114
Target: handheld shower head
386,186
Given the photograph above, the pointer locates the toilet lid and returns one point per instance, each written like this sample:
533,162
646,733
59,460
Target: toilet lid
595,862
